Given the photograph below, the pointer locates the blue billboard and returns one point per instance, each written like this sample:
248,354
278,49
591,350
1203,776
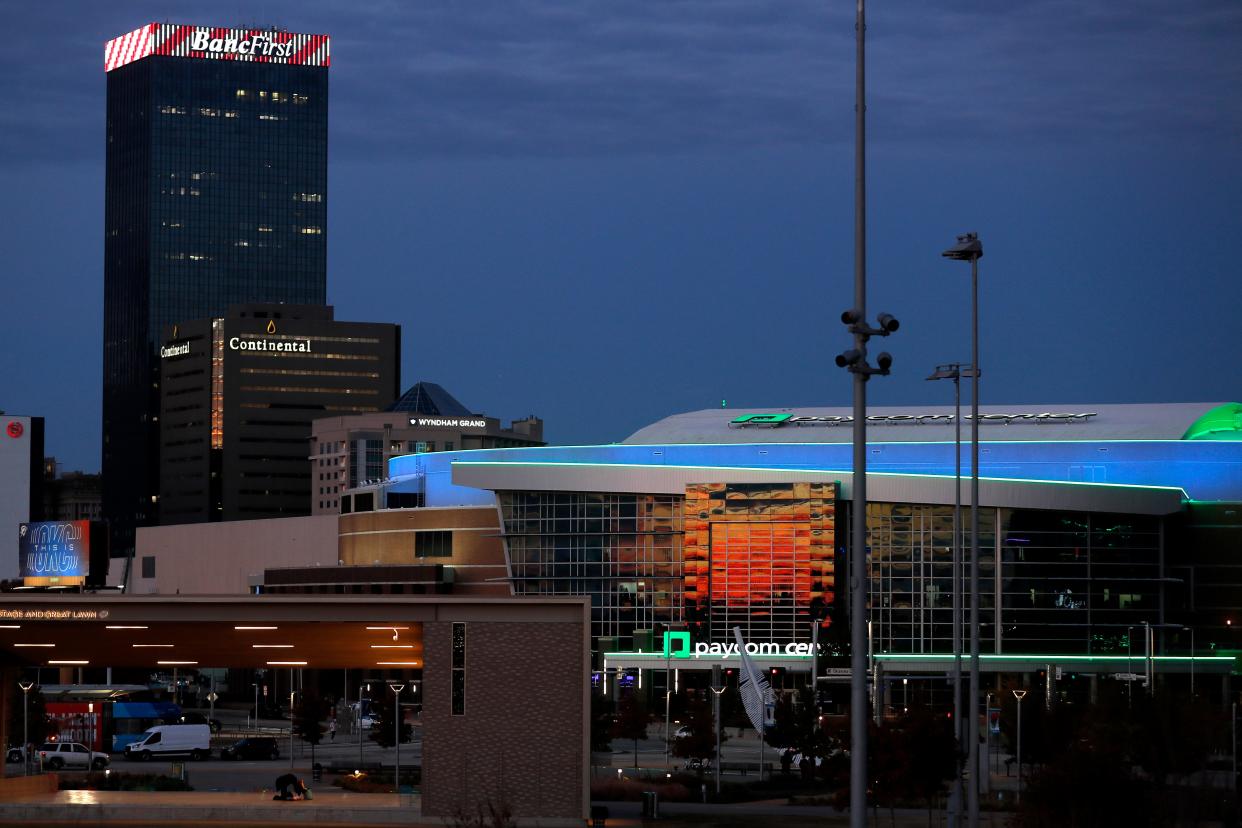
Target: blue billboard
54,552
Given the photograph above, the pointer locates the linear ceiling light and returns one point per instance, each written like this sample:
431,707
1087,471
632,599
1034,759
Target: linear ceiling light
68,662
392,646
397,663
126,627
286,664
150,645
174,663
34,645
254,628
272,646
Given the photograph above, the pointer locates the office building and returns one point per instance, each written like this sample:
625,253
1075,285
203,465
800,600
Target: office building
215,195
21,483
352,452
238,394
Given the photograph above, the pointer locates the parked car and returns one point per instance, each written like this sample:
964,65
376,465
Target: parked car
15,754
57,755
192,740
252,747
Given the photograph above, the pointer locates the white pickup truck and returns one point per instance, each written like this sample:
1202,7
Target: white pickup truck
57,755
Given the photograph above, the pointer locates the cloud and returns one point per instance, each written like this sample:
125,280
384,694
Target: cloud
545,78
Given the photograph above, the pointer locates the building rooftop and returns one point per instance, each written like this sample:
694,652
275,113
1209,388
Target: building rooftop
934,423
430,399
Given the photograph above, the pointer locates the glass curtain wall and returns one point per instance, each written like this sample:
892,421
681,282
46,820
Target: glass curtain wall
623,550
1068,582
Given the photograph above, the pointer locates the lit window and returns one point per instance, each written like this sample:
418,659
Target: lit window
243,93
299,99
208,112
311,231
230,113
262,93
263,228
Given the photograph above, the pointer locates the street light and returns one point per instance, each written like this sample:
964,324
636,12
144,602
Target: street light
1192,660
718,687
1019,695
26,687
955,371
396,726
359,719
970,249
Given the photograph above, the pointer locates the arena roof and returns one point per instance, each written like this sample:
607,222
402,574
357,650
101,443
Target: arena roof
926,424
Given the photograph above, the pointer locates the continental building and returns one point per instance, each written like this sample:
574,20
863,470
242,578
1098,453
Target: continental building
215,195
351,452
238,395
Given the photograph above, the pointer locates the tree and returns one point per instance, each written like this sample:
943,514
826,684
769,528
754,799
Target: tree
601,724
384,716
700,725
631,722
40,725
797,724
308,716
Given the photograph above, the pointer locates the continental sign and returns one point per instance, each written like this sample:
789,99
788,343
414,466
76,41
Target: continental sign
778,420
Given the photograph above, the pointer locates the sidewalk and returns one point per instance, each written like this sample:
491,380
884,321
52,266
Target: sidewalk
170,808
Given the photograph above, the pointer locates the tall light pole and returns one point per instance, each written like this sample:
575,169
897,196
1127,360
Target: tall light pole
26,687
970,249
955,371
1019,695
368,689
1129,670
718,687
396,726
1192,660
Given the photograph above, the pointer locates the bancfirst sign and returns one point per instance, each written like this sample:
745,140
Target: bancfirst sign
303,346
777,420
212,42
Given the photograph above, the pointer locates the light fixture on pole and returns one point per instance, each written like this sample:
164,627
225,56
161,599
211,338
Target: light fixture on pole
955,371
26,687
970,249
1019,695
396,721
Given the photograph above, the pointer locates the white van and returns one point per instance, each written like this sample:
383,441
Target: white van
192,740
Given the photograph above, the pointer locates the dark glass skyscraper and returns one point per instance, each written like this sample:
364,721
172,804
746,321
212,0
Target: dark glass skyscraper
216,195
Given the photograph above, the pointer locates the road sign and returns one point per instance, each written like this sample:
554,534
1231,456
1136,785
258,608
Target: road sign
1130,677
212,696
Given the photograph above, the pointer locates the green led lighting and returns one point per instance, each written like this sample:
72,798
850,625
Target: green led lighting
1224,422
771,469
681,660
1044,657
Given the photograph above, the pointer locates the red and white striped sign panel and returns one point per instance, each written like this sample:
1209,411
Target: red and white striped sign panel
262,46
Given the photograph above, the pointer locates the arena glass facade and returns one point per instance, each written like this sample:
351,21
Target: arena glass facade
1088,530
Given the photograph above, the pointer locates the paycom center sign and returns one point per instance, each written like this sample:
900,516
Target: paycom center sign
54,553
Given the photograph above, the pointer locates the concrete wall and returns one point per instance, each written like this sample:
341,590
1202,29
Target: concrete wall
531,758
388,537
221,558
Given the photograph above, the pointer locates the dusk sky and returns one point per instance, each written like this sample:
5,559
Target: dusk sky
603,213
